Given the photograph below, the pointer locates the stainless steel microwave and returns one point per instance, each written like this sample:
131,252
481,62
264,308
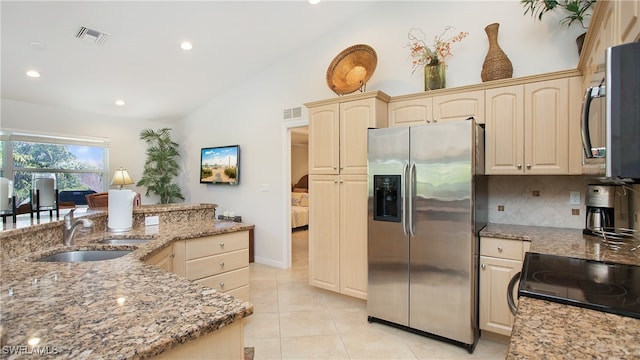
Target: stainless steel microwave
611,115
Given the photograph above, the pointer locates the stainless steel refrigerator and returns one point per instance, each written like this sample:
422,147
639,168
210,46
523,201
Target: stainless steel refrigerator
427,202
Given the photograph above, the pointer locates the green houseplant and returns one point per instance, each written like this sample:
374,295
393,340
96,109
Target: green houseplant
161,166
577,10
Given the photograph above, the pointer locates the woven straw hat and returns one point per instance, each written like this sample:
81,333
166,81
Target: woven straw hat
351,69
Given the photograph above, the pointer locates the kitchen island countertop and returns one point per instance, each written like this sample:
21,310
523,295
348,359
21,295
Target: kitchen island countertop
549,330
114,309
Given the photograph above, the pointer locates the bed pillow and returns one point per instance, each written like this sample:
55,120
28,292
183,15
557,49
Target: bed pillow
295,198
304,200
299,199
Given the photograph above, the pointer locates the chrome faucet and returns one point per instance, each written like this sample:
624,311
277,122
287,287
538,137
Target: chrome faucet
71,225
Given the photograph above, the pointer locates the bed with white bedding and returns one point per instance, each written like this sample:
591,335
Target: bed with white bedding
299,210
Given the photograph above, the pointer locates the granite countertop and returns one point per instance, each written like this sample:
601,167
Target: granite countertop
113,309
549,330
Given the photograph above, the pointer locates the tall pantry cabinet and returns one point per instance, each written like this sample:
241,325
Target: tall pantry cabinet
338,189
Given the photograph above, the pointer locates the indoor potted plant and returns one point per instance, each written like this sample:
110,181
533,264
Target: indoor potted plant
577,12
432,58
161,166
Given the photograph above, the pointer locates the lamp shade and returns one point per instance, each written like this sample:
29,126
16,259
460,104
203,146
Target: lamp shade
121,177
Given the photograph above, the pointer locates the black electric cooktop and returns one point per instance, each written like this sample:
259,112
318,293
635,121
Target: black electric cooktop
591,284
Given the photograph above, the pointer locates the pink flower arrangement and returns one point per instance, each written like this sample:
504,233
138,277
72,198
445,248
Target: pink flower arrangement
423,54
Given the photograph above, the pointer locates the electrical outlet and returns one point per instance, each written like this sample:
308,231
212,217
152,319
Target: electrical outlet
574,197
536,193
575,211
151,220
500,207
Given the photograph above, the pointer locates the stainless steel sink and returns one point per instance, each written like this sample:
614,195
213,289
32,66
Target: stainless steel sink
84,255
125,241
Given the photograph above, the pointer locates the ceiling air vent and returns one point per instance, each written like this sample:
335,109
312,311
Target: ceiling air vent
92,36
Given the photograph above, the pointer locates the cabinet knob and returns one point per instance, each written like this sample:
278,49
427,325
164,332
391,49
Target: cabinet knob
335,181
429,121
335,167
221,244
483,266
519,166
499,248
435,120
222,264
172,255
341,181
528,166
221,285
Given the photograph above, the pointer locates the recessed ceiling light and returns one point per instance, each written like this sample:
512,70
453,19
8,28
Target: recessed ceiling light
313,2
185,45
120,102
33,74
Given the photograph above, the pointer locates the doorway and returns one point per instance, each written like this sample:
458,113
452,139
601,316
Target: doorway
295,134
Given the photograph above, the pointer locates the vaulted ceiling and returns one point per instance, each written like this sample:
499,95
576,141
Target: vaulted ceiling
141,61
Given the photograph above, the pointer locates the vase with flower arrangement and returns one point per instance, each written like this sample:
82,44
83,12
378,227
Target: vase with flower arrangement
432,59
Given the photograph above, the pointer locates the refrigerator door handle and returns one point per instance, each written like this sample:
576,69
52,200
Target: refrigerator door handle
405,169
412,190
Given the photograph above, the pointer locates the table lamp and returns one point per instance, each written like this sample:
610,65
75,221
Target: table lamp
121,178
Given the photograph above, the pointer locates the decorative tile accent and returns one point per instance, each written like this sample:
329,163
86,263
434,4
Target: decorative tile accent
550,208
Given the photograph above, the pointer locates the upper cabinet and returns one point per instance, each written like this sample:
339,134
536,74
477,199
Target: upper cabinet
428,108
612,23
627,21
528,125
338,132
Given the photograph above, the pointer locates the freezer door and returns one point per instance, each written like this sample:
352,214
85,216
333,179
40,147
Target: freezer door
441,261
388,242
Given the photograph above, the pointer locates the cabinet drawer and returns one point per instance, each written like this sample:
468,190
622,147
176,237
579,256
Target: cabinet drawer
501,248
217,244
242,293
213,265
228,281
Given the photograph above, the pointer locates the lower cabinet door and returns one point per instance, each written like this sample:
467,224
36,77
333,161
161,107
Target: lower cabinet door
495,274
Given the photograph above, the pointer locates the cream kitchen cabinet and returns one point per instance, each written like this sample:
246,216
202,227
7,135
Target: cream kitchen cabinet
219,261
527,127
500,260
170,258
432,109
338,233
338,132
627,21
338,189
598,39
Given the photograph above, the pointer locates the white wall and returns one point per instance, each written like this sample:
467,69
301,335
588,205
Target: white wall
125,149
251,113
299,162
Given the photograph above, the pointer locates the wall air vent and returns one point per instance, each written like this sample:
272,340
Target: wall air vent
92,36
292,113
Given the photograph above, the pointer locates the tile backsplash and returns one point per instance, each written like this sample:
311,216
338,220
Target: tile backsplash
537,200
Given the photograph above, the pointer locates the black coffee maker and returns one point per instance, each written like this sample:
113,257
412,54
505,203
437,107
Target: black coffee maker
600,201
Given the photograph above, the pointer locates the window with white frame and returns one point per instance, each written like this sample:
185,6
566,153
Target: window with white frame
76,163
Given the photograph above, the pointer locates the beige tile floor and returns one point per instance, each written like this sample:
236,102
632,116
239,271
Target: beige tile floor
293,320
